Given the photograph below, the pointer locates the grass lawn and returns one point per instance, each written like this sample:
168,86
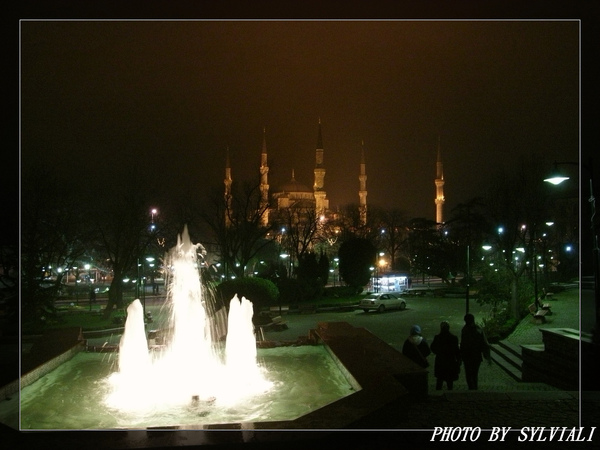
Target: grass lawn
81,316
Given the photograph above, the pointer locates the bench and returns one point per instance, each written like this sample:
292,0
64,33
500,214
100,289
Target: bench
278,310
538,314
277,324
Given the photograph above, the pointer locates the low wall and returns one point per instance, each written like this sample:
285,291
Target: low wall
50,351
557,361
381,376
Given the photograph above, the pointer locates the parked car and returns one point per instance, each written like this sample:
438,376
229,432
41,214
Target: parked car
382,301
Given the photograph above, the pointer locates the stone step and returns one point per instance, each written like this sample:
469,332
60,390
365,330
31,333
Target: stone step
507,360
513,348
507,355
511,370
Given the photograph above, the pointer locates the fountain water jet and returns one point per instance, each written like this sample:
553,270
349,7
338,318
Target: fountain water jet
191,366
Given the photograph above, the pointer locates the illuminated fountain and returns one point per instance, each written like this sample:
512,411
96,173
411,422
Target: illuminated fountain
194,378
203,370
191,368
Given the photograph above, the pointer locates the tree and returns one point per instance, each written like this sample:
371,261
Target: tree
516,202
53,238
464,232
302,231
350,225
312,274
123,232
393,236
430,252
356,255
237,226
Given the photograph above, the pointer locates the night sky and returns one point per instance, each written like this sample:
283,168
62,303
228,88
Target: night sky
172,96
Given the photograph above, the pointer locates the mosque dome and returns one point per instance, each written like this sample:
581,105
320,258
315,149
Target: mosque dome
294,186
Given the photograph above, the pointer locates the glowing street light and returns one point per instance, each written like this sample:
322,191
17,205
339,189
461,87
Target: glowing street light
556,177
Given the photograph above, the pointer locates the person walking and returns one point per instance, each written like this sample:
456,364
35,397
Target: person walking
416,347
473,348
447,357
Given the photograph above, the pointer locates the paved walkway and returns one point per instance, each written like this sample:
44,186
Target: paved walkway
565,308
503,401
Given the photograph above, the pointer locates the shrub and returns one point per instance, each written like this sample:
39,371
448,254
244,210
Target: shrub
499,325
356,257
261,292
340,291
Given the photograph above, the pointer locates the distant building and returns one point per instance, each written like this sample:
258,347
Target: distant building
294,194
439,187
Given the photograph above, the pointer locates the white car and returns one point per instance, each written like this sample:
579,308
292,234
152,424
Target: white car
381,302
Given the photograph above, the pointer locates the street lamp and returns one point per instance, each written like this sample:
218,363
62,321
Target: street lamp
149,259
468,277
535,281
373,279
153,213
285,257
336,270
138,280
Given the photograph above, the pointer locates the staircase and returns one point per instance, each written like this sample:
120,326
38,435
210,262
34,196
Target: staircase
508,357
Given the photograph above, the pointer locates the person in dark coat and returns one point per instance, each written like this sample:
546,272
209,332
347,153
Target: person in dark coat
416,347
447,357
473,348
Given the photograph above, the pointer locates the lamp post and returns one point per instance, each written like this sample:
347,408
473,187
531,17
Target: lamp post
137,281
335,270
556,178
284,257
149,260
468,277
535,281
153,213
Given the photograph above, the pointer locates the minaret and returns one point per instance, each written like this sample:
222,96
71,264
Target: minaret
227,182
439,187
264,183
362,190
321,202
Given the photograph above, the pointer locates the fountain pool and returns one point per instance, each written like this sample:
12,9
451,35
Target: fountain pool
304,378
196,381
192,378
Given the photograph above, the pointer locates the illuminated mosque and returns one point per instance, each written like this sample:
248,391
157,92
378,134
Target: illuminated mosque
296,195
